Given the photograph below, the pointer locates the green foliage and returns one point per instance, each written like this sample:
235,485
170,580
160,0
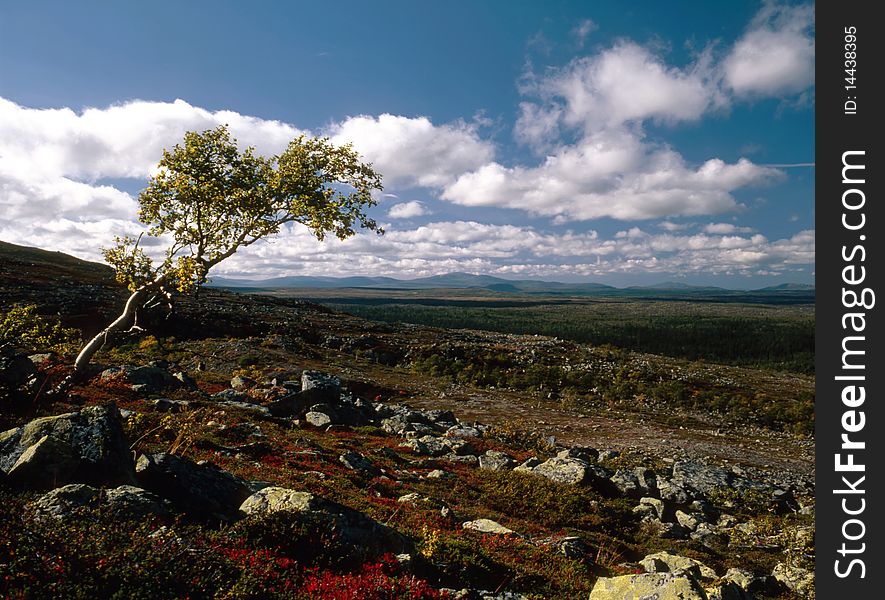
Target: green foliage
22,326
210,199
778,338
542,501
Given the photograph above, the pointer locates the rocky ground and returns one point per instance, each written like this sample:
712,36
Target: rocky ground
259,447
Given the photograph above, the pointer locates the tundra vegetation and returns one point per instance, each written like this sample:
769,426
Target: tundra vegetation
249,446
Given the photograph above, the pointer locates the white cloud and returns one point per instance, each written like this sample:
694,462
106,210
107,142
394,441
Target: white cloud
775,56
446,246
725,228
414,151
670,226
125,140
582,30
615,174
407,210
625,83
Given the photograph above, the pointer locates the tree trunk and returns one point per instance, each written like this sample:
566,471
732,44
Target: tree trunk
124,321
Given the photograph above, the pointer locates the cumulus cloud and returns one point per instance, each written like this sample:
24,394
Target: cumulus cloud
124,140
775,56
407,210
613,173
625,83
446,246
414,151
725,228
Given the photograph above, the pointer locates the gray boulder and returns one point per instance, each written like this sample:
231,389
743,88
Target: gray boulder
203,490
796,579
126,501
727,591
487,526
664,562
627,483
82,447
570,471
353,526
147,379
44,465
645,586
15,367
317,418
494,460
358,462
321,387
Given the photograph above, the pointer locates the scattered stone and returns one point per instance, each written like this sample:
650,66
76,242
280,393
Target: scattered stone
321,387
145,379
494,460
274,499
672,491
358,462
689,520
627,483
125,501
664,562
796,579
80,447
204,490
745,579
727,591
241,383
318,419
528,466
463,431
657,505
570,471
487,526
660,586
46,464
438,474
469,459
169,405
607,455
583,453
355,527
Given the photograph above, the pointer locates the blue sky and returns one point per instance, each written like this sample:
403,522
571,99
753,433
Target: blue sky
620,142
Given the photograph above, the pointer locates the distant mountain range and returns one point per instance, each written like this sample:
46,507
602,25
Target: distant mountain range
24,262
490,283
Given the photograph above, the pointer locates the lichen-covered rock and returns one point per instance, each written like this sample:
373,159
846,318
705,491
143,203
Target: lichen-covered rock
796,579
664,562
487,526
321,387
353,526
80,447
125,501
660,586
275,499
727,591
570,471
318,419
494,460
148,379
203,490
358,462
46,464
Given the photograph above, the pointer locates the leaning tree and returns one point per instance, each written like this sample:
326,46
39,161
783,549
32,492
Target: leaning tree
209,199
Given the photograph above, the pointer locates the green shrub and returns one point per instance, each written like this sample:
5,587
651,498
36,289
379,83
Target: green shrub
22,326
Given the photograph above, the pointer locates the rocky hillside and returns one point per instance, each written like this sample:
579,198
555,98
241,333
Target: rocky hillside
258,447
